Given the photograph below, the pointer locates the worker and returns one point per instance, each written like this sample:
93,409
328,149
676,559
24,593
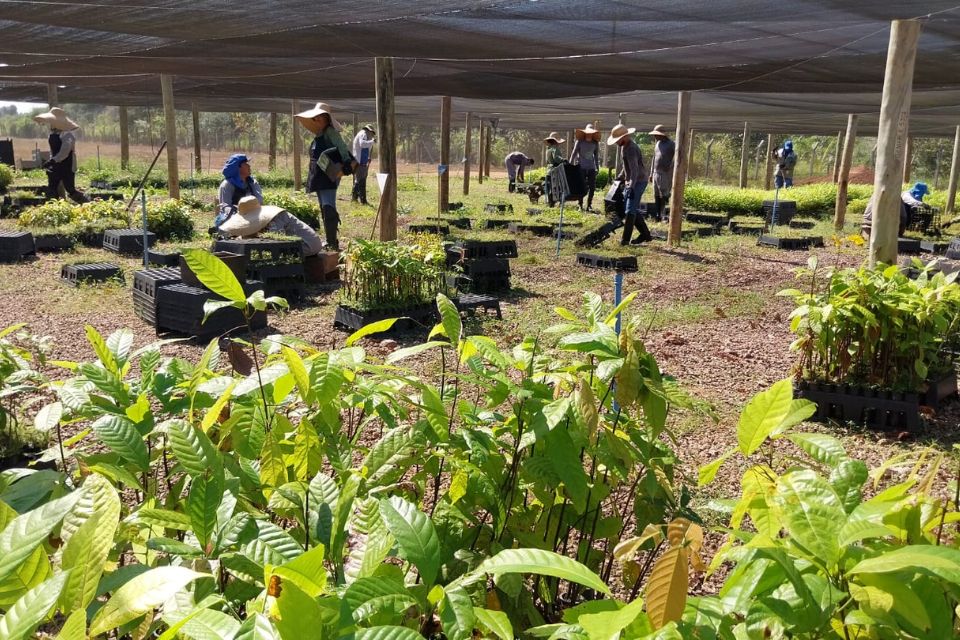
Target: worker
363,152
516,162
250,217
586,155
909,199
662,169
786,159
330,159
238,182
554,159
61,168
634,177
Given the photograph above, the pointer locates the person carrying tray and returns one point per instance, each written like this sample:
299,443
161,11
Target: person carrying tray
61,168
586,155
634,176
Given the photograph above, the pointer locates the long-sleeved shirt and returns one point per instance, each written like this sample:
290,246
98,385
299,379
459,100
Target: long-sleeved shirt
633,170
586,154
327,139
554,156
786,160
663,152
230,195
362,146
68,143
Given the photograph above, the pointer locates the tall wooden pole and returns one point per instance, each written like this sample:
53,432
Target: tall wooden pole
744,155
170,119
297,144
892,140
386,123
769,175
954,174
197,152
467,130
444,191
908,160
836,156
486,152
272,149
124,138
693,137
843,177
53,97
679,167
356,123
481,135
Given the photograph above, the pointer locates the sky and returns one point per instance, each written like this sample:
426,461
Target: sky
22,107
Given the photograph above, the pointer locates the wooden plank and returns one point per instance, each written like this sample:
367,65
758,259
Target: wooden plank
836,157
124,138
387,133
480,144
170,122
908,160
297,144
843,177
272,148
768,177
679,167
197,153
744,155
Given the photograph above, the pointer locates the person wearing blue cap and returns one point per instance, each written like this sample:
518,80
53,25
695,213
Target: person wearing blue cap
786,159
909,200
238,182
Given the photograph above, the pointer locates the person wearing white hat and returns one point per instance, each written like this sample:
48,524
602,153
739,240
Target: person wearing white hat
362,150
251,217
663,151
330,159
634,177
62,166
554,159
586,155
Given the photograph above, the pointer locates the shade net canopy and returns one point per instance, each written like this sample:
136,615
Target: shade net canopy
797,66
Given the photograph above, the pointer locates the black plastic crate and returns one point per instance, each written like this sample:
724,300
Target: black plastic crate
704,217
76,274
483,282
934,246
470,302
786,209
533,228
127,241
498,208
497,223
15,245
953,251
746,228
459,223
421,316
180,309
685,234
790,244
908,245
617,263
163,259
262,249
53,242
104,195
480,266
145,285
596,236
434,228
473,249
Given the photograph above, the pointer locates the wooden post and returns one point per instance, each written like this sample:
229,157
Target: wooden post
892,140
486,152
908,160
386,123
443,192
481,134
170,119
843,177
692,138
954,174
197,152
297,144
768,178
53,98
356,123
124,138
272,149
467,129
679,167
938,161
744,155
836,157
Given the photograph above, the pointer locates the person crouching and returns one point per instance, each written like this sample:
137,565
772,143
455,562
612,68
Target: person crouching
251,218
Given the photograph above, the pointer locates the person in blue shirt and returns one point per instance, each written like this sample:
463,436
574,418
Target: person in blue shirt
363,151
786,159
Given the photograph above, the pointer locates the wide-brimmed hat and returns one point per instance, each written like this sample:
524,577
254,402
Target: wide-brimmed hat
251,217
659,131
587,132
57,119
306,118
619,132
369,127
554,137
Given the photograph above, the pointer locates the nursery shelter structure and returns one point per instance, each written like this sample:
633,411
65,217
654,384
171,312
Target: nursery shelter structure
813,68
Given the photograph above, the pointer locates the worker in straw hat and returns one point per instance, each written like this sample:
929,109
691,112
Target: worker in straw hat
663,151
634,177
330,159
586,155
554,158
363,151
251,217
62,166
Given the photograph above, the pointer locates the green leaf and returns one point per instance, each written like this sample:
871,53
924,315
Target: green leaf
28,612
299,370
941,562
708,472
370,329
407,352
415,535
387,632
608,625
85,552
75,628
450,319
847,479
48,417
257,627
496,622
369,596
140,595
822,448
210,307
121,435
540,562
209,624
763,414
306,571
25,533
164,518
456,614
800,410
812,514
203,501
215,274
193,449
102,350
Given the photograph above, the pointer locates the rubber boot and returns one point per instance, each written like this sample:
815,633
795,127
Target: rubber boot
331,220
644,232
362,191
628,223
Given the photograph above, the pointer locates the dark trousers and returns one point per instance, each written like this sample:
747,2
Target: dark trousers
360,184
590,177
660,202
62,174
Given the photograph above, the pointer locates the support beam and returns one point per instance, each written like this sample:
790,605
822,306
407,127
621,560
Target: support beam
53,98
480,135
744,155
836,157
486,152
356,123
892,140
386,123
954,174
768,177
296,142
170,120
272,148
908,160
467,130
843,176
443,193
679,167
124,138
693,137
197,152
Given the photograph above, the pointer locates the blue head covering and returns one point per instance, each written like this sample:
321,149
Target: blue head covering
231,170
788,145
919,190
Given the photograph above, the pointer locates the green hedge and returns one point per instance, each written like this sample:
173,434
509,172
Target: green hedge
6,176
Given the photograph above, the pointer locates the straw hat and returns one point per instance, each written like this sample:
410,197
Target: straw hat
554,137
306,118
57,119
659,131
619,132
587,132
369,127
251,217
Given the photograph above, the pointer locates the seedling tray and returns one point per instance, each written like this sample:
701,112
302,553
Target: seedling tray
93,239
685,234
482,266
292,289
598,235
76,274
53,242
596,261
497,223
802,224
459,223
472,249
908,245
498,208
145,285
24,202
180,309
104,195
535,229
262,249
470,302
703,217
127,241
934,246
479,283
454,206
236,262
436,229
163,259
412,318
790,244
15,245
746,228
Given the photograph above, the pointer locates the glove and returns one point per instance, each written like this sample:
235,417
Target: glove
48,164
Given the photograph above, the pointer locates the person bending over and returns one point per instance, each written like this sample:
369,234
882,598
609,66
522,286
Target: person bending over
515,163
250,218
